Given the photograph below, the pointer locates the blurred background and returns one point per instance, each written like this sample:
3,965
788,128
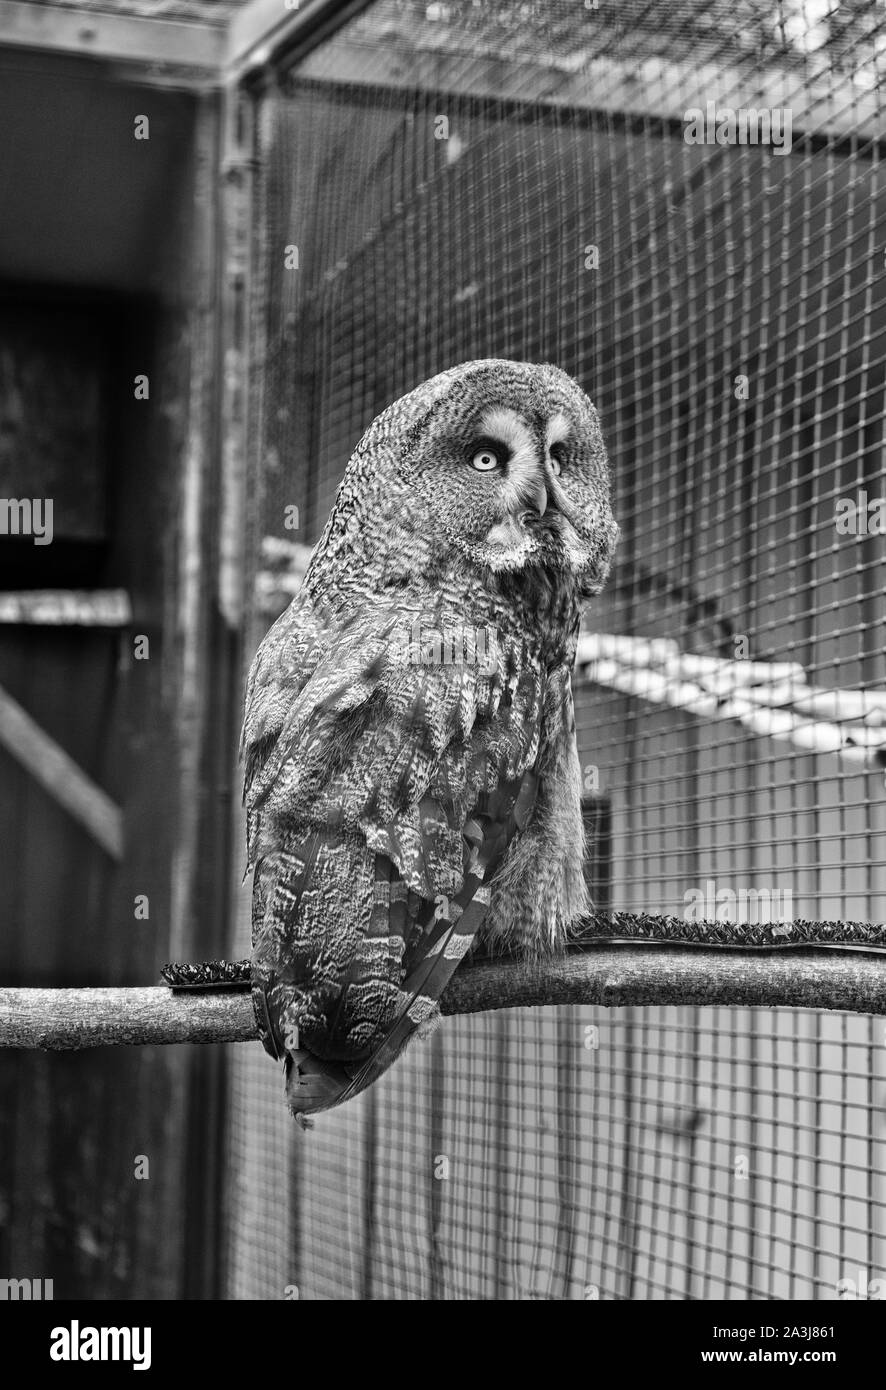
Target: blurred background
231,233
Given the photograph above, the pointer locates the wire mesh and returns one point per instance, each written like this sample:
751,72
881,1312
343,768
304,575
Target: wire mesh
439,182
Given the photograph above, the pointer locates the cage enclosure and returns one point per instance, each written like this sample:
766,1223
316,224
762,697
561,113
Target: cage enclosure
239,230
442,182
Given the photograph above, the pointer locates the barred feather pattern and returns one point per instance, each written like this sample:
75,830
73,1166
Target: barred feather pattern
400,802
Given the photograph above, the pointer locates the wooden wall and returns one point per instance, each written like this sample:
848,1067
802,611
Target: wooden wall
75,1130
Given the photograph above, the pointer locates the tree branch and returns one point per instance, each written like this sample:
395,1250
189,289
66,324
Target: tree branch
604,975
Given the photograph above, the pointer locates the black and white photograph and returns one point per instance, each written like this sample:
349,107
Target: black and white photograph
442,669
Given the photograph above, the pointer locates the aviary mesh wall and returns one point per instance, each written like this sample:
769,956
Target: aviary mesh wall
473,180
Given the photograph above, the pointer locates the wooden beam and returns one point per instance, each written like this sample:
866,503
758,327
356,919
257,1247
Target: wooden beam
60,776
137,39
197,483
660,88
255,29
163,51
235,235
605,977
266,31
66,608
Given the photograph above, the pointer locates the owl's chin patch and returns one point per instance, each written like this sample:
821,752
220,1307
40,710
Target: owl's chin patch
510,545
526,539
508,534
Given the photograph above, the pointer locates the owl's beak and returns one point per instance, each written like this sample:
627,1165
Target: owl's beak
538,496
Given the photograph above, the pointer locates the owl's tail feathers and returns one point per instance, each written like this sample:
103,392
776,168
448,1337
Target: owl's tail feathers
330,922
446,936
312,1084
348,965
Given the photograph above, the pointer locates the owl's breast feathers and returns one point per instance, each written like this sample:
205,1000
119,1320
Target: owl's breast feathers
389,764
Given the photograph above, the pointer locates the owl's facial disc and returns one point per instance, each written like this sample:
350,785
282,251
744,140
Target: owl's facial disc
508,461
534,511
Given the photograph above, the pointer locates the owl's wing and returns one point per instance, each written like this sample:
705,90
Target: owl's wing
381,792
441,936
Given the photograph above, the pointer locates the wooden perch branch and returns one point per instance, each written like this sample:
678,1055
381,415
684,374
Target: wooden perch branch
607,976
66,1019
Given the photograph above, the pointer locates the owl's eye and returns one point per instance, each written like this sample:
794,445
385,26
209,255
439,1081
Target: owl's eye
486,458
558,454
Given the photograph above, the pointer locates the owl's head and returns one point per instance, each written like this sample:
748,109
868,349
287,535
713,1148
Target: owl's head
510,461
501,462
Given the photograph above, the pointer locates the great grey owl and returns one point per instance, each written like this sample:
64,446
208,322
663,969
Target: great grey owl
412,777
